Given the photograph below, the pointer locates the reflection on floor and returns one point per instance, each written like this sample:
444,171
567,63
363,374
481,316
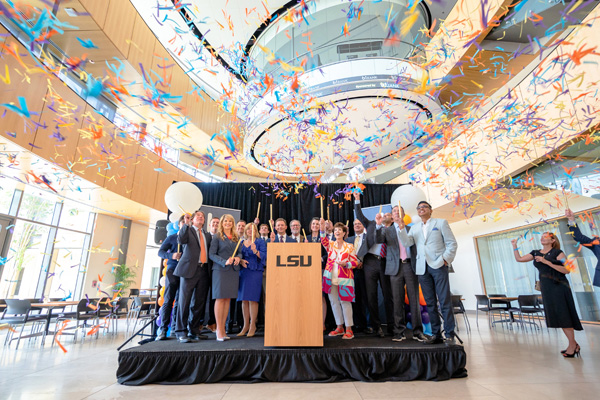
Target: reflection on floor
502,364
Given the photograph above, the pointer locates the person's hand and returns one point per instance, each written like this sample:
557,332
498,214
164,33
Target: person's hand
176,256
342,264
570,215
514,243
359,265
322,224
541,259
253,247
256,221
378,218
229,261
356,196
236,260
244,263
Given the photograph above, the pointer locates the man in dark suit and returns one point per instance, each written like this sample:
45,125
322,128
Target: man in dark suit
280,236
171,251
400,266
374,267
593,244
193,270
361,243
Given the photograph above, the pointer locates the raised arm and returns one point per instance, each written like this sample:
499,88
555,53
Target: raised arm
357,209
519,257
577,235
182,236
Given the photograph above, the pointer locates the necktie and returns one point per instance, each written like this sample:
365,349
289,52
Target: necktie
356,242
280,239
202,248
383,251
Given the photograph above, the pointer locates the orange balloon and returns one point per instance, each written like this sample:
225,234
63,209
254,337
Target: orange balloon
161,301
407,219
421,298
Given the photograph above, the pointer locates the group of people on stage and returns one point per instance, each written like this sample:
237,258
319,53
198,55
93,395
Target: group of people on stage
229,260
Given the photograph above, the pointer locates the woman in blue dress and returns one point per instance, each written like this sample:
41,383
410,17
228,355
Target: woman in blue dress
254,254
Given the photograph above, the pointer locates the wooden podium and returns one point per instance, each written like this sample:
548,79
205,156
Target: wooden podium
293,312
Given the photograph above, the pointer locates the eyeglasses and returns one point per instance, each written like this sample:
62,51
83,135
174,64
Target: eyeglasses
423,207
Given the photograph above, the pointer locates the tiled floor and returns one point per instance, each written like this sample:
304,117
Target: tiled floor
502,364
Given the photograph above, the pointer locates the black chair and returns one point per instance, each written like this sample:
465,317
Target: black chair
141,312
530,307
500,307
18,312
459,308
134,292
483,304
86,312
120,309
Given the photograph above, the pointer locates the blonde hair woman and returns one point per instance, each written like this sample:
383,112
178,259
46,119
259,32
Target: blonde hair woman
225,275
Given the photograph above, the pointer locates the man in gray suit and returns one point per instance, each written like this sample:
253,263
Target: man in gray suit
436,249
193,271
361,243
400,265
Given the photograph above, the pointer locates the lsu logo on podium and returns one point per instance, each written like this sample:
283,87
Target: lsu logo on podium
294,261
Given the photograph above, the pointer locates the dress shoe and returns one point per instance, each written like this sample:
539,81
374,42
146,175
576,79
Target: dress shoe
380,332
161,336
420,337
252,331
184,339
450,341
435,340
369,331
197,337
399,338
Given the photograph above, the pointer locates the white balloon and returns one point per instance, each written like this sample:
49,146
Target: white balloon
174,217
409,196
183,195
162,281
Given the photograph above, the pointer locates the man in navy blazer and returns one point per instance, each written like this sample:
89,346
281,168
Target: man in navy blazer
280,236
193,271
171,251
593,244
361,243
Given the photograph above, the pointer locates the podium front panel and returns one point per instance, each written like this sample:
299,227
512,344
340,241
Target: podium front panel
293,310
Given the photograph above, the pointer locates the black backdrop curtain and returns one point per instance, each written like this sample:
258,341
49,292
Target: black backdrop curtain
293,201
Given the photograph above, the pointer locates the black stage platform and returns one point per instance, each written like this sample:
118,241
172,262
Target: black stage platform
365,358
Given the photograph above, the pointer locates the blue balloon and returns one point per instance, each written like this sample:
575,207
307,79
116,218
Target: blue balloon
425,317
158,321
172,228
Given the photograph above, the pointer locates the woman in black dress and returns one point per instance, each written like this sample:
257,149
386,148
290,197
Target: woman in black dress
559,305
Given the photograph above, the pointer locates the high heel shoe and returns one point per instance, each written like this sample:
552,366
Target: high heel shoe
252,331
243,332
577,348
575,353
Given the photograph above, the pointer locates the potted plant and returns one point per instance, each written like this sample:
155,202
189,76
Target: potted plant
124,277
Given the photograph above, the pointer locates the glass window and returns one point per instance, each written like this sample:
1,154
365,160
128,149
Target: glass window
37,205
67,264
74,216
7,190
24,260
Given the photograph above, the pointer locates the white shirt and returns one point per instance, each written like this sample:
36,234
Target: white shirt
296,238
424,228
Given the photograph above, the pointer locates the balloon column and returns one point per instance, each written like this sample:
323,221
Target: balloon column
161,290
424,313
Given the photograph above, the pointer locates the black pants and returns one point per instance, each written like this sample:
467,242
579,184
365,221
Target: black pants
359,307
192,299
374,274
405,276
436,287
168,309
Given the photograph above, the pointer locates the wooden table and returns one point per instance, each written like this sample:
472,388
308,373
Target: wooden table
51,305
